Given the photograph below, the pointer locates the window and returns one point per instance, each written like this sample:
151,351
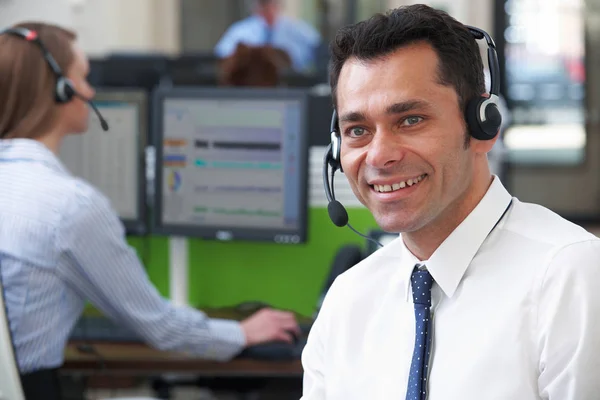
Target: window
544,86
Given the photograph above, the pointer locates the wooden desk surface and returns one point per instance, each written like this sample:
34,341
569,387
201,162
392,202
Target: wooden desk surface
138,359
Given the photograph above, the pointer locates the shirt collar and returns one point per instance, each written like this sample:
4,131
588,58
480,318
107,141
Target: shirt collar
450,261
29,150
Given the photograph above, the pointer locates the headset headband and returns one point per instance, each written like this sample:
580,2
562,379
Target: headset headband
32,36
492,58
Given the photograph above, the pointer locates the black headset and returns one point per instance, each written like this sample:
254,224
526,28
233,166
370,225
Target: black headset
64,90
482,116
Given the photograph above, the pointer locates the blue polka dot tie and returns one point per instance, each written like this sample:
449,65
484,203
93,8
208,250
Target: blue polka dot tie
422,282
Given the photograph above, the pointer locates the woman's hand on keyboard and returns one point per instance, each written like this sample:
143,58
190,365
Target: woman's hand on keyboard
268,325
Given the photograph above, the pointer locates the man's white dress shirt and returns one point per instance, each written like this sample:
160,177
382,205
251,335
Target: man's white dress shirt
516,314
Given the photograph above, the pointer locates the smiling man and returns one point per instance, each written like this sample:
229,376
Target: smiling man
482,296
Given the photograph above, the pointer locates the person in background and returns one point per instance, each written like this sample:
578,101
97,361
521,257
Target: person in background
482,296
267,26
251,66
62,243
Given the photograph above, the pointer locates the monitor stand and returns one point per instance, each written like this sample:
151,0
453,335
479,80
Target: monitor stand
178,288
178,270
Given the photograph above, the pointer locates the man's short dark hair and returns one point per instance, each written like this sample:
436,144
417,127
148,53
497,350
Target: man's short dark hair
460,61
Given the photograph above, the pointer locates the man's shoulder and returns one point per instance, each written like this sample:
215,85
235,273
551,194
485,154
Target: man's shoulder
539,224
300,26
244,24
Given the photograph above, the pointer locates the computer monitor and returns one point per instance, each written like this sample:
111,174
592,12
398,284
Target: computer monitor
320,109
131,71
231,163
200,69
114,161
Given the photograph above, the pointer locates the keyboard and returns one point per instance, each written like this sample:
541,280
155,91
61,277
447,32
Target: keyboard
102,329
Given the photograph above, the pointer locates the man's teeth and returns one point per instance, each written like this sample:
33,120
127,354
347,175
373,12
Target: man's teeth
399,185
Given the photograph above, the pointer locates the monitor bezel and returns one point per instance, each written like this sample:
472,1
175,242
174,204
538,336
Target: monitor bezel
137,226
298,236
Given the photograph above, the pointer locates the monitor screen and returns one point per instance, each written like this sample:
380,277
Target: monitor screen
113,161
232,164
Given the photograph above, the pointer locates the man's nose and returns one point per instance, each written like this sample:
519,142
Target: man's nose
383,151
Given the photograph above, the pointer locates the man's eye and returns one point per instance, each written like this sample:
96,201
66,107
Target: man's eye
357,131
413,120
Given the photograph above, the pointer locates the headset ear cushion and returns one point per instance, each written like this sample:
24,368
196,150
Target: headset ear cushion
472,117
65,90
493,120
483,130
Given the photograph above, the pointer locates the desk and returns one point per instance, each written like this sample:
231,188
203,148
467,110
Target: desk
132,360
138,359
111,362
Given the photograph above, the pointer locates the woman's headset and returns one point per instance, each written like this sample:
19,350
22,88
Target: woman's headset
64,89
482,116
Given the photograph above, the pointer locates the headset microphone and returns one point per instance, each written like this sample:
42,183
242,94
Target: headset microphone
103,122
337,212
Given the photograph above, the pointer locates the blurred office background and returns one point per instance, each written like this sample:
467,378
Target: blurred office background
549,154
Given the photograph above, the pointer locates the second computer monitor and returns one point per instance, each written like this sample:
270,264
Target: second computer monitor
231,164
113,161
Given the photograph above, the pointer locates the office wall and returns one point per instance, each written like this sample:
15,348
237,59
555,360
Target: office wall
13,11
105,25
472,12
203,23
132,25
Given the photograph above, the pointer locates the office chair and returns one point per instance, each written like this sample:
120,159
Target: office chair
10,379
